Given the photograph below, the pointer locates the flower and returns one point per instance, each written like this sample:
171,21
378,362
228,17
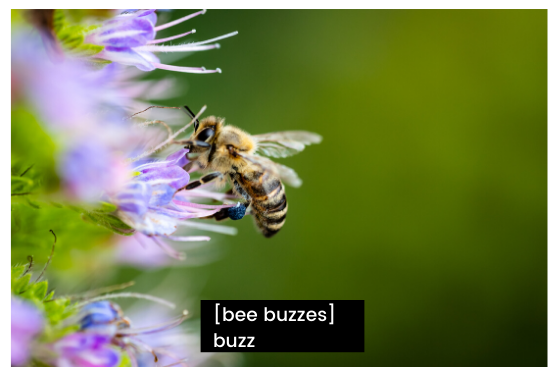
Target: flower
141,251
86,349
26,323
179,346
151,205
90,168
83,118
129,38
103,323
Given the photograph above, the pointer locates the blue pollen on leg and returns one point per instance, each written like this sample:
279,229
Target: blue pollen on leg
237,212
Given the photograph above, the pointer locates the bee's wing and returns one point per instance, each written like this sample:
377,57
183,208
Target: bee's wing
286,174
286,143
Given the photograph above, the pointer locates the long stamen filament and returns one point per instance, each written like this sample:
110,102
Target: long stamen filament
126,295
155,328
215,39
176,48
170,138
160,40
186,69
169,250
180,20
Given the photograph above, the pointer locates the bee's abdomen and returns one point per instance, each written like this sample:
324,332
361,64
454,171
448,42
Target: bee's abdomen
269,204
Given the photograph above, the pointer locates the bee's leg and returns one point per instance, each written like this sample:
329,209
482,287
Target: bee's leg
235,213
205,179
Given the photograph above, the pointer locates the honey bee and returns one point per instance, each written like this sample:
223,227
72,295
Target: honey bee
231,155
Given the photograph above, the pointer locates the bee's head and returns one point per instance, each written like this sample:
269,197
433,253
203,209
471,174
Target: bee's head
207,129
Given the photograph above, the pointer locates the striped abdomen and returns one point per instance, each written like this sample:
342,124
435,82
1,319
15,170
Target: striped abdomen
268,200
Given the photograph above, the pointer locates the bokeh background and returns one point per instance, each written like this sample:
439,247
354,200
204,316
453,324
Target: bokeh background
427,197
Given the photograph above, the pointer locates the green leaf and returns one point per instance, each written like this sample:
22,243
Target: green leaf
71,36
59,20
105,207
49,296
58,310
40,289
85,50
97,63
31,146
17,270
109,221
19,285
32,203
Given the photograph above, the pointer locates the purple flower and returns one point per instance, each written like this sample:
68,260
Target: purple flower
133,94
105,319
101,317
90,168
82,114
142,251
129,38
86,349
179,346
150,203
64,93
26,323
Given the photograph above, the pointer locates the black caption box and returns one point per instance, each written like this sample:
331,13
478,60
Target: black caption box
282,326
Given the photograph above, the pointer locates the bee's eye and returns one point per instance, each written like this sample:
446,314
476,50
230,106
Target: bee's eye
205,134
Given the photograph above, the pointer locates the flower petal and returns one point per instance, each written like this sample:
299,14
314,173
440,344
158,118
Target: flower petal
172,175
127,56
26,322
151,224
162,194
86,349
179,158
132,33
134,198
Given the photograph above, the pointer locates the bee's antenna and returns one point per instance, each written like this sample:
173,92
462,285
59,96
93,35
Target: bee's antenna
189,111
192,116
154,106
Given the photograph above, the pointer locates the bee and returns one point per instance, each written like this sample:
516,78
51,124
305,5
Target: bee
233,156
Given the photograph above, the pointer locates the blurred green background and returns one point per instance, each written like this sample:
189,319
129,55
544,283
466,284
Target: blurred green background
427,197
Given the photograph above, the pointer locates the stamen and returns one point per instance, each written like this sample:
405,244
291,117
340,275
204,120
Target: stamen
169,250
180,20
207,194
190,238
216,38
136,343
201,206
127,294
149,122
174,68
210,227
155,328
102,290
179,362
175,48
160,40
169,139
